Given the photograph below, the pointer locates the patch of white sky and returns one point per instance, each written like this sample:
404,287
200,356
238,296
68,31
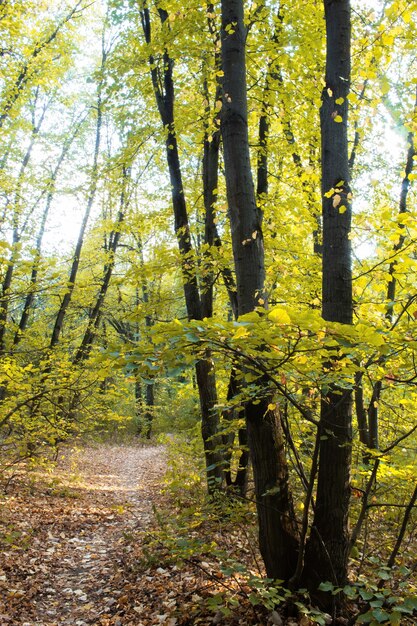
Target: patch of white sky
78,88
387,141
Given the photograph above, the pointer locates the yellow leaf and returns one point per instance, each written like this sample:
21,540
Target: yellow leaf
340,100
338,119
279,316
387,39
271,407
241,332
329,193
342,209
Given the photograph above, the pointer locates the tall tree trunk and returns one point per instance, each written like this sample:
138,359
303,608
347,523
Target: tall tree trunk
277,526
86,345
212,141
163,85
149,322
327,549
368,420
373,408
8,278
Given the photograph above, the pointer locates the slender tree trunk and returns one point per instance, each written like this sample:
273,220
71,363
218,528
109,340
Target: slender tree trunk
38,250
163,85
7,282
86,345
66,300
373,408
327,549
149,387
368,420
148,415
278,534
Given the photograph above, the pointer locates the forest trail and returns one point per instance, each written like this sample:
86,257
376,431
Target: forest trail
64,538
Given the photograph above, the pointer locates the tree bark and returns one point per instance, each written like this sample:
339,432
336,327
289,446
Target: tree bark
278,535
327,549
163,86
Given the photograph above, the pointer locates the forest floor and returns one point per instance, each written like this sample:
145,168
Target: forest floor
71,547
82,542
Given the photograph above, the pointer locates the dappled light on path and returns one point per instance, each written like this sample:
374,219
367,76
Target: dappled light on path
62,561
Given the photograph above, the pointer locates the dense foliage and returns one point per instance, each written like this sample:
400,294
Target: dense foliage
120,307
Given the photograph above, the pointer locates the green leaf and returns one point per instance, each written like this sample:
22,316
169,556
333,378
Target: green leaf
327,586
279,316
365,618
380,615
395,618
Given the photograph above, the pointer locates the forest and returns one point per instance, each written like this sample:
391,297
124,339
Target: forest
208,256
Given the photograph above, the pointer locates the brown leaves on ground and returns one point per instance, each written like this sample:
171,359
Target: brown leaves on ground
71,550
75,546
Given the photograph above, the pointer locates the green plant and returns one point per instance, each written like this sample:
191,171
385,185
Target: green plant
379,605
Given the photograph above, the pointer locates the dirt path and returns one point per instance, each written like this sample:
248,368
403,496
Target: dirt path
64,542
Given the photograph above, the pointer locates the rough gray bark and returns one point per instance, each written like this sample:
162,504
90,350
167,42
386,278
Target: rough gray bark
277,527
327,549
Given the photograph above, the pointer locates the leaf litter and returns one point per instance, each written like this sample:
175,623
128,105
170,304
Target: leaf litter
74,549
70,553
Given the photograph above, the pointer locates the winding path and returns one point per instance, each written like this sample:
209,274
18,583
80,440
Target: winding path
66,564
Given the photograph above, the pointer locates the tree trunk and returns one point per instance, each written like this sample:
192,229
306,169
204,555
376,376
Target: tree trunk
86,345
163,85
277,526
38,250
327,548
373,408
8,278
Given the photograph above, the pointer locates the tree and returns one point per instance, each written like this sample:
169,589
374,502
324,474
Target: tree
278,534
328,546
163,86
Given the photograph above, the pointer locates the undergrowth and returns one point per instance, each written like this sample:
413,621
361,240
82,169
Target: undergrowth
217,536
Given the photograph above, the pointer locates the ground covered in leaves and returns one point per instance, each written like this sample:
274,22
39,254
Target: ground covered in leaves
71,547
95,539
